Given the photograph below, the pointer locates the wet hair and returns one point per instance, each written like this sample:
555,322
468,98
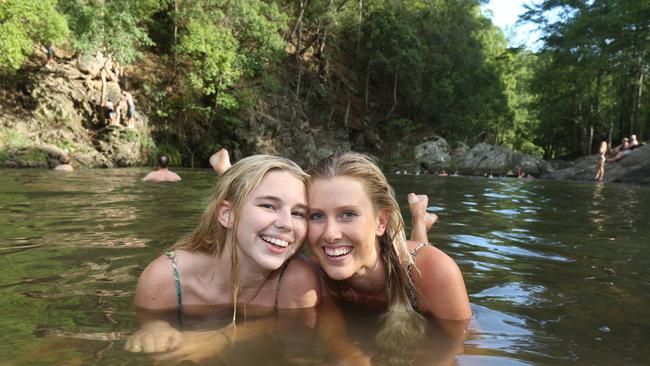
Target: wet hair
401,324
235,187
163,161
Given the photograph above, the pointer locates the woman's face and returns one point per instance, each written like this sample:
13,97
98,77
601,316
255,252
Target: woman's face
343,227
273,221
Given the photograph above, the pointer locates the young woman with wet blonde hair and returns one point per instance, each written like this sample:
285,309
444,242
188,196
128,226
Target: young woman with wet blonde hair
241,253
356,234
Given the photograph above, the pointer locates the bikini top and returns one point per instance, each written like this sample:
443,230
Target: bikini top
179,293
412,291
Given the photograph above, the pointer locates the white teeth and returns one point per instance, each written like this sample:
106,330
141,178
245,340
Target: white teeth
275,241
337,252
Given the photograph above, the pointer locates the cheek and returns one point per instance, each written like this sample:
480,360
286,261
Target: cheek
313,232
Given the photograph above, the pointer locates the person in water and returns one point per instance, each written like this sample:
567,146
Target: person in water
241,253
162,174
600,172
64,165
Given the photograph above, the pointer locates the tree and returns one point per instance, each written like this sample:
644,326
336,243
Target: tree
24,24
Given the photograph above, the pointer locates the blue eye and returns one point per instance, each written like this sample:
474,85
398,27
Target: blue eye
348,215
317,216
266,205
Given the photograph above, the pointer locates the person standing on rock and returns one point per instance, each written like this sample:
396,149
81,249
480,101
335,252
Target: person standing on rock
111,116
130,113
163,174
600,173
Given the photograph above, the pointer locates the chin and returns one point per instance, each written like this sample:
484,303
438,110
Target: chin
337,274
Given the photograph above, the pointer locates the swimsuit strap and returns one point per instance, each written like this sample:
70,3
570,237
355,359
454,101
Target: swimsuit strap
277,286
412,292
179,293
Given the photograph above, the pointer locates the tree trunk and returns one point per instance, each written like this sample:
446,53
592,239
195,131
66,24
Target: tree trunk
103,91
392,109
359,19
365,105
637,106
175,41
303,5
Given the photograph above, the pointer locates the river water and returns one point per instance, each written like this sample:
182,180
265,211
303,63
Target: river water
557,272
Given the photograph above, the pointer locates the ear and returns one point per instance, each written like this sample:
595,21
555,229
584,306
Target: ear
382,222
224,214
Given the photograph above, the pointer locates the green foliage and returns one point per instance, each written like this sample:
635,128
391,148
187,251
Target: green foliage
116,28
11,138
174,155
24,24
400,127
225,41
591,78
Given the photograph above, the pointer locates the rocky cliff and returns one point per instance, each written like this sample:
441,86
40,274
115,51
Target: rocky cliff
47,112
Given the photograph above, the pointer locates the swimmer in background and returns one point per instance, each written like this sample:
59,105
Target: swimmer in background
163,174
64,165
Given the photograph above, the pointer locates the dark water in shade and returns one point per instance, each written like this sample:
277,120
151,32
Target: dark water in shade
558,272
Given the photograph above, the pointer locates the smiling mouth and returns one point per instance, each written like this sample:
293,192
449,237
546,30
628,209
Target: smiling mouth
337,252
278,243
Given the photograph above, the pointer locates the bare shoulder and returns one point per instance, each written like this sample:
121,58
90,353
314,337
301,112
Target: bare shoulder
156,286
300,285
440,284
151,176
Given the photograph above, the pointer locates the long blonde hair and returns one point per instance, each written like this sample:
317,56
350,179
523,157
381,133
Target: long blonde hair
402,325
603,147
235,187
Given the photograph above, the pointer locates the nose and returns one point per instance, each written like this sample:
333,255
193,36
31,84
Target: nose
332,232
284,220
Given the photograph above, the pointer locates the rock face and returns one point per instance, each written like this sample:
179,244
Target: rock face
484,158
433,155
48,112
634,168
297,140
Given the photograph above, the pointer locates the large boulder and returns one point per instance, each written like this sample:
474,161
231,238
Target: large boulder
433,154
485,159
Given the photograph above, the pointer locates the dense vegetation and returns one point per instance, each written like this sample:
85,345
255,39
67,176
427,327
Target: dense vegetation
392,66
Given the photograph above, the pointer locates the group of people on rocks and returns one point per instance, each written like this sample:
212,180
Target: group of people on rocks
125,109
617,153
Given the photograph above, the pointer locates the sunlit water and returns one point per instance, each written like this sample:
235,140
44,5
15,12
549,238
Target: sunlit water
557,272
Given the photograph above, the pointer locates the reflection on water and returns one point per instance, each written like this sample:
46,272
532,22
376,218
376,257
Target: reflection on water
557,272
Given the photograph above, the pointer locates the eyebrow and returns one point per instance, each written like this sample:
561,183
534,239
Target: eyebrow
340,208
277,199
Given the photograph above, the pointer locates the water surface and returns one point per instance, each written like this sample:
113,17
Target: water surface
557,272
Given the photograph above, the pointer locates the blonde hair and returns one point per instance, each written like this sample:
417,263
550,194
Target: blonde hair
402,325
603,147
235,187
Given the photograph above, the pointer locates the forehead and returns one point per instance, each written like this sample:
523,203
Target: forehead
337,191
283,185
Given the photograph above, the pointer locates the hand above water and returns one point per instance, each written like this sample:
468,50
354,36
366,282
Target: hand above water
156,336
197,346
